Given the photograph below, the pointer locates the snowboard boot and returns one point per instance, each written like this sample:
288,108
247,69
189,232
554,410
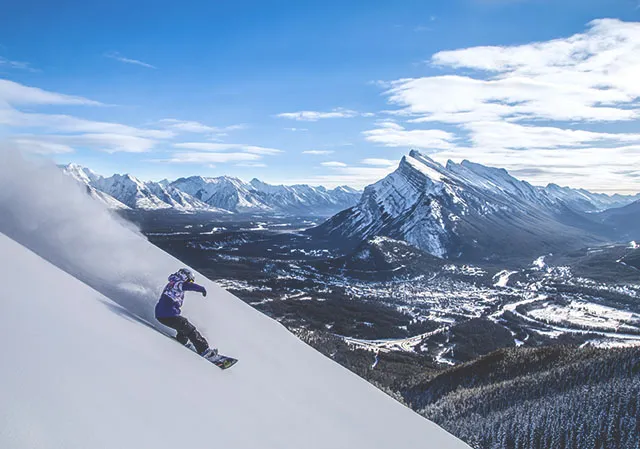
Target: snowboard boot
210,353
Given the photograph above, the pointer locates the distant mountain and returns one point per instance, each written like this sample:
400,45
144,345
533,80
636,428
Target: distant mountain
584,200
130,191
625,220
222,194
306,199
178,199
468,211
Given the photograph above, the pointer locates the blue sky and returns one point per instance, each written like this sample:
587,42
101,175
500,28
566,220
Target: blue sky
326,92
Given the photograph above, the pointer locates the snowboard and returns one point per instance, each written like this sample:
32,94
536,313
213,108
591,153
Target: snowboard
221,361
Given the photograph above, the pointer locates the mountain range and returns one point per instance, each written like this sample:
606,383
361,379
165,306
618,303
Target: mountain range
222,194
470,211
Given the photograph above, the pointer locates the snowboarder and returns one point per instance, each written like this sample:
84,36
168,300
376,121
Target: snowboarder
168,311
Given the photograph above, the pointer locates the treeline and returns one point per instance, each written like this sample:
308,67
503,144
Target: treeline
539,398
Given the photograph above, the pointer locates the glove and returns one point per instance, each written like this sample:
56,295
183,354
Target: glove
204,291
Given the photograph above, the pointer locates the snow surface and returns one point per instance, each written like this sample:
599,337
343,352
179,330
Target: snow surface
587,315
85,367
502,278
539,263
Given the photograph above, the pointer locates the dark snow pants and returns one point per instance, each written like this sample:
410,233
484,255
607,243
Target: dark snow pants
186,332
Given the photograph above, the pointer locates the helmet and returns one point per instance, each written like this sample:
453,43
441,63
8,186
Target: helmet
186,274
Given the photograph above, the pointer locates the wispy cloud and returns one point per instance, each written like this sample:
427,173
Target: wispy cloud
318,152
211,146
391,134
354,176
110,143
252,165
333,164
380,162
13,93
38,146
219,153
197,127
314,116
208,158
18,65
61,132
118,57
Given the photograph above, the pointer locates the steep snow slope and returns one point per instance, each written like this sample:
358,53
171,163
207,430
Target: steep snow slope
82,369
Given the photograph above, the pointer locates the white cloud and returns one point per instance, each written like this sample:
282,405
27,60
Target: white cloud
110,143
36,146
215,153
16,64
118,57
210,158
211,146
252,165
65,132
380,162
12,93
196,127
333,164
516,136
70,124
187,126
313,116
203,146
354,176
586,77
296,129
259,150
318,152
393,135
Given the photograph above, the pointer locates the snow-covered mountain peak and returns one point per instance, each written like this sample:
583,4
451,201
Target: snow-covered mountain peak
81,173
224,192
131,191
255,182
425,165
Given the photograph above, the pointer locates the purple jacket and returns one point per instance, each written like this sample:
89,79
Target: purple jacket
173,296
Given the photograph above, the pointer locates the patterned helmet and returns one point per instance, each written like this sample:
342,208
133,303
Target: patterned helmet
186,274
